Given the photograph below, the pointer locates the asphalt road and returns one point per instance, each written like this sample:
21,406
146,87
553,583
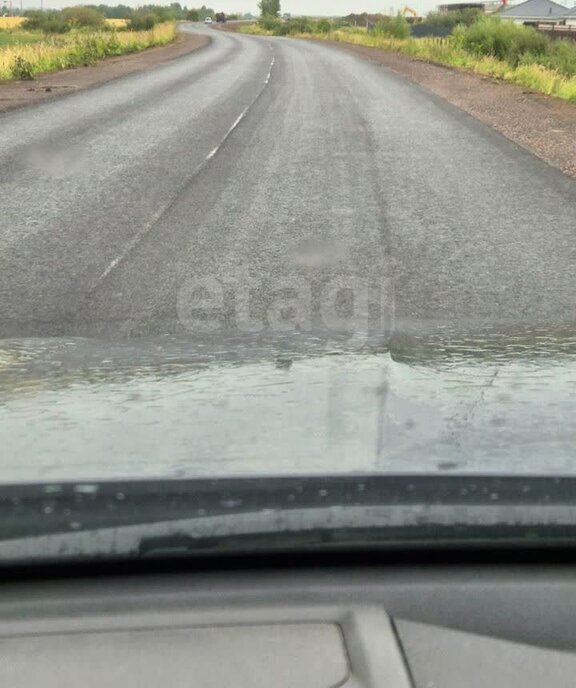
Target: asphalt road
282,177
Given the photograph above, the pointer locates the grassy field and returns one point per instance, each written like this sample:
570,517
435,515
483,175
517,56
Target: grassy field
7,23
551,71
10,23
27,54
12,38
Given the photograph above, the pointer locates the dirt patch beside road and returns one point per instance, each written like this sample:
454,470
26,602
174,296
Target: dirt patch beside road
16,94
544,125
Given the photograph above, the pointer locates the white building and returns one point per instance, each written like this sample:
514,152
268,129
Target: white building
537,12
571,18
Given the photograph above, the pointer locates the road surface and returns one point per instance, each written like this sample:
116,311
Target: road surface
269,184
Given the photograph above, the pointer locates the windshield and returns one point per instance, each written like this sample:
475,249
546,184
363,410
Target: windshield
289,268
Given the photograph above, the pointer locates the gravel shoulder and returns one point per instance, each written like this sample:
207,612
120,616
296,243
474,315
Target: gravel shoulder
17,94
544,125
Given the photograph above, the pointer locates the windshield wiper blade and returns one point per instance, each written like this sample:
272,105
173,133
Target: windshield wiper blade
161,517
44,508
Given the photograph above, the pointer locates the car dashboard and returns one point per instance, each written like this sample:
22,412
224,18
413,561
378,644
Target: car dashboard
419,626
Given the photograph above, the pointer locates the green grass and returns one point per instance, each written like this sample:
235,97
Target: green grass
9,39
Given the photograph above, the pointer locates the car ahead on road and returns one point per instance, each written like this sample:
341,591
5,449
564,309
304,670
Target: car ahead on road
208,20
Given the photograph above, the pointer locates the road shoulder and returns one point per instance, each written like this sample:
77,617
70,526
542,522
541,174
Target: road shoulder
18,94
544,125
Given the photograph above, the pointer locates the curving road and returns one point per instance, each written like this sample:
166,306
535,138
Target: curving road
269,169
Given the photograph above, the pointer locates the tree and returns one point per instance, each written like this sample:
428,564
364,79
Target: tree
269,8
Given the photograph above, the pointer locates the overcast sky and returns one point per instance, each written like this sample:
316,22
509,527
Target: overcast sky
311,7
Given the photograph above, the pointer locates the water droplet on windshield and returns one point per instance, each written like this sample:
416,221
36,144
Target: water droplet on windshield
86,489
231,503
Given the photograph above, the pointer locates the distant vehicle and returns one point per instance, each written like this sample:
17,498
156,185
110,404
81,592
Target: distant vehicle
208,20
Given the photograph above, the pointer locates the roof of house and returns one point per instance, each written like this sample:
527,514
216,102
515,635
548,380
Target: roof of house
540,9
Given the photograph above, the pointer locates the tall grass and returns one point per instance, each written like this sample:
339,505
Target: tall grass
76,49
503,40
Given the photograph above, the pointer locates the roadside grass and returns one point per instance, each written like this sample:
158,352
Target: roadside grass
531,60
255,30
76,49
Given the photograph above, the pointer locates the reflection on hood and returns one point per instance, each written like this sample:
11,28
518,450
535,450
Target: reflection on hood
475,402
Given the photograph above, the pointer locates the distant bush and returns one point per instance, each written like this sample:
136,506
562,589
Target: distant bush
301,25
452,19
46,21
395,27
491,37
83,17
272,24
53,21
296,25
142,20
324,26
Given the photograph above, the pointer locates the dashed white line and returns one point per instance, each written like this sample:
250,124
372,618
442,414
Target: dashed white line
148,228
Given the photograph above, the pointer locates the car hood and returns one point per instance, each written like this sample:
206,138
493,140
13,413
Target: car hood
485,402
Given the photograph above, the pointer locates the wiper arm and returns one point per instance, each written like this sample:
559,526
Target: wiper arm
149,518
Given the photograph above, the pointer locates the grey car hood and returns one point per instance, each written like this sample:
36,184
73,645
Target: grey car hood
75,409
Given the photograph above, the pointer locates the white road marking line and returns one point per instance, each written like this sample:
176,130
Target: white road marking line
148,228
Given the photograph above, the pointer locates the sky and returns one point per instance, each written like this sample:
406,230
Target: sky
308,7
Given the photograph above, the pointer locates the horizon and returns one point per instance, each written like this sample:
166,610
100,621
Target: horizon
320,8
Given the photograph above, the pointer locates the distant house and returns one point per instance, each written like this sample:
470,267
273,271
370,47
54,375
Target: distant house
488,6
571,17
535,12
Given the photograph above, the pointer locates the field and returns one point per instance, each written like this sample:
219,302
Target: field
12,38
9,23
27,54
117,23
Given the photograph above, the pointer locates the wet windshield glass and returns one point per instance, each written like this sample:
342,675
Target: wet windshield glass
285,240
